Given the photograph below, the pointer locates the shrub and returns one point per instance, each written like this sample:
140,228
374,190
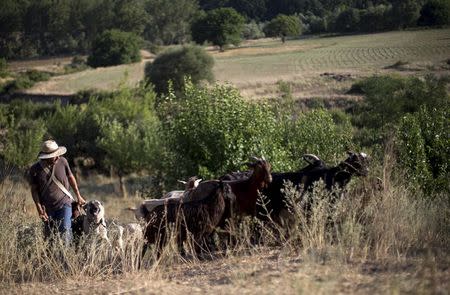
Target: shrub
114,47
252,31
424,147
389,98
435,12
176,64
221,26
283,26
316,132
26,80
3,68
213,131
23,142
347,20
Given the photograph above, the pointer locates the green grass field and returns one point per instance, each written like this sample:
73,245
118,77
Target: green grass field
256,66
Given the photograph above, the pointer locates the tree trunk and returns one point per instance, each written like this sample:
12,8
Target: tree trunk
123,189
283,39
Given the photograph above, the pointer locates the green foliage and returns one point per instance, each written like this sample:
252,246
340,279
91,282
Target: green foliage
114,47
347,21
25,80
213,131
389,98
3,68
129,147
63,124
316,132
252,31
424,147
177,64
170,21
23,142
405,13
435,13
283,26
221,26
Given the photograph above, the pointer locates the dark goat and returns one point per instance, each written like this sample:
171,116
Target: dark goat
247,190
337,177
199,215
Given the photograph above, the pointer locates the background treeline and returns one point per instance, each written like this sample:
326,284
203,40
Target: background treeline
47,27
208,131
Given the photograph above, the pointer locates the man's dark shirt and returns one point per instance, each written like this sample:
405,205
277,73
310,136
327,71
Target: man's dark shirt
53,198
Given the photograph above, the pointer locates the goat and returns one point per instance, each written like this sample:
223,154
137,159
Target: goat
198,215
356,164
246,190
188,185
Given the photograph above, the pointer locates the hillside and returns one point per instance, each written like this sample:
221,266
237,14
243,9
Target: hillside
316,66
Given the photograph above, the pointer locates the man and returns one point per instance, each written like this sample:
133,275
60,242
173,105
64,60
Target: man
50,179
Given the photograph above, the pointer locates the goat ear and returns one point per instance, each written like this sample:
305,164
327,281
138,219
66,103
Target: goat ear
182,181
350,153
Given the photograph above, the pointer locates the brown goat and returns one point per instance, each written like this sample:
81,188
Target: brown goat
247,190
199,215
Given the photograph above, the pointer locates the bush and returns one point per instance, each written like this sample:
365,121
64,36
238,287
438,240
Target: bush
252,31
221,26
23,142
177,64
389,98
347,21
424,148
283,26
214,131
316,132
435,13
114,47
3,68
26,80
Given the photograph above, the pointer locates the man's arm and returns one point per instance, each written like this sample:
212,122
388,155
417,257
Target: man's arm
39,207
73,184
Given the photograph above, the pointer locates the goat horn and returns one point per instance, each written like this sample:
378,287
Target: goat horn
254,158
311,156
263,158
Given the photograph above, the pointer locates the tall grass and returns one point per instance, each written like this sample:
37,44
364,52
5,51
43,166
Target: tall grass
372,222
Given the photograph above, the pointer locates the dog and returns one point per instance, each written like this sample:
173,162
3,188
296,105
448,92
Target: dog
92,223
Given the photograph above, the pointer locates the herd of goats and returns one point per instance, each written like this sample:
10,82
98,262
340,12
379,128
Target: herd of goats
206,205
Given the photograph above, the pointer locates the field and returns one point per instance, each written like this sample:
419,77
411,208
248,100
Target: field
256,66
385,236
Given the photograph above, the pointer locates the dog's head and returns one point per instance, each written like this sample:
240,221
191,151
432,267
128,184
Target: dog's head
94,211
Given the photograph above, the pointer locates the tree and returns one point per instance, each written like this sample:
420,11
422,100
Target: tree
176,64
23,142
405,13
130,16
283,26
114,47
435,13
170,21
221,26
128,131
348,20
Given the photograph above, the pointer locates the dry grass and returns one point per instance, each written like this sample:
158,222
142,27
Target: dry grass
388,240
256,66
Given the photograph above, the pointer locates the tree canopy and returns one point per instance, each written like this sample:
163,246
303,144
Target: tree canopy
177,64
283,26
114,47
221,26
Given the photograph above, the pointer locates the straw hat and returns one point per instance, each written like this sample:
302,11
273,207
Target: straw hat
50,149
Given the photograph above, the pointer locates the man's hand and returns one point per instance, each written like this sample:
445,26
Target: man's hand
43,216
81,200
